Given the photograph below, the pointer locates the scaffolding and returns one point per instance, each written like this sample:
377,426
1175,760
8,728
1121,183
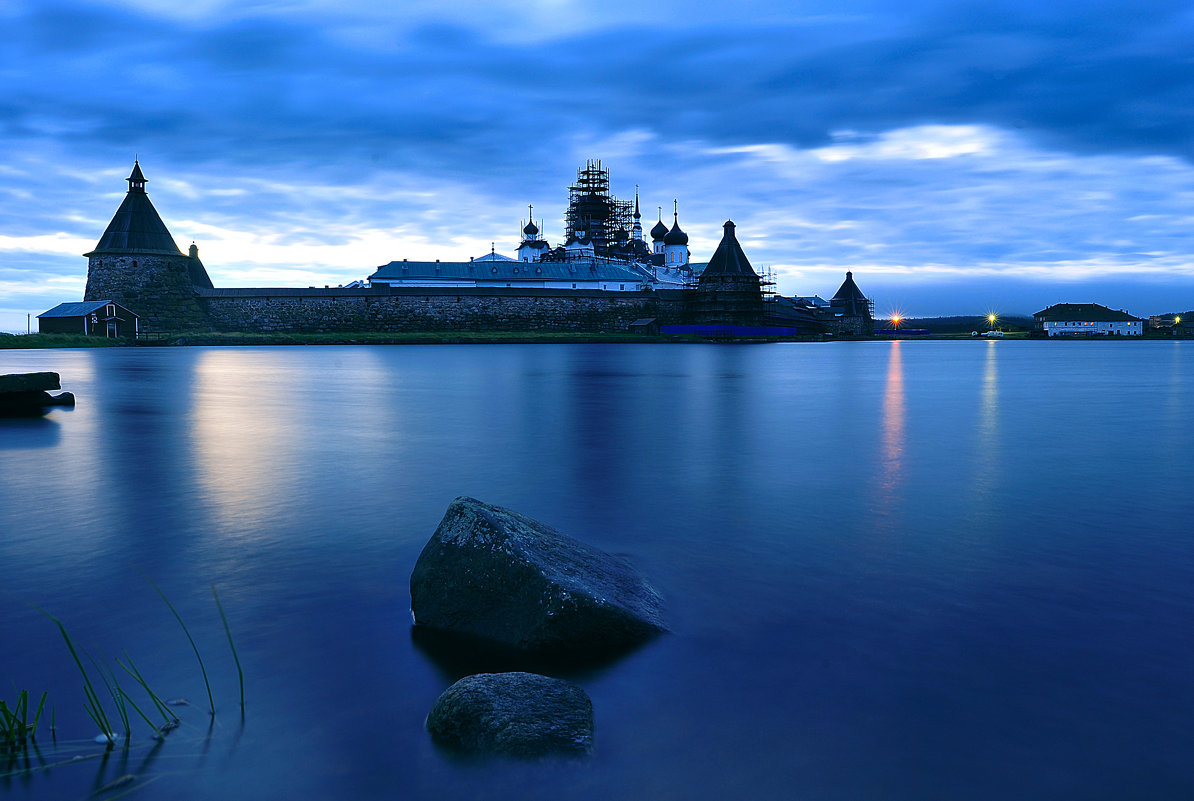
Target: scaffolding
593,211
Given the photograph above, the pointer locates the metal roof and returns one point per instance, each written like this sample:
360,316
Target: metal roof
79,309
136,226
1084,312
728,259
477,270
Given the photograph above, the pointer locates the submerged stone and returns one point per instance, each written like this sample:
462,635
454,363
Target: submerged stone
515,714
497,574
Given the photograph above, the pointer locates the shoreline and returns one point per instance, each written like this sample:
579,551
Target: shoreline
213,339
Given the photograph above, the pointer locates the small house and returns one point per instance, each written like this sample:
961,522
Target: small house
99,318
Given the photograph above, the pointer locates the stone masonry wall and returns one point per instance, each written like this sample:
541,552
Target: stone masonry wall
438,310
156,287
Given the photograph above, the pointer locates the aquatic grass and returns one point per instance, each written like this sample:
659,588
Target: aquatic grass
113,688
95,709
210,700
167,716
15,729
228,630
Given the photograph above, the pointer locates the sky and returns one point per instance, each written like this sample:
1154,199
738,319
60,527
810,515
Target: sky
959,157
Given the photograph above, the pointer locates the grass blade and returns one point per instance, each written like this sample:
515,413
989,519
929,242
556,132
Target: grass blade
228,630
37,716
210,701
129,700
97,713
132,670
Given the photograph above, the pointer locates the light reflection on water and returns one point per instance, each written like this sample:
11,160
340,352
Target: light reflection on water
893,570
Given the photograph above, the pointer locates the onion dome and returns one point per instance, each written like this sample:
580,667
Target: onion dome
659,231
674,236
531,229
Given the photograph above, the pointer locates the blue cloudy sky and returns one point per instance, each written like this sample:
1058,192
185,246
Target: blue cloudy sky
959,157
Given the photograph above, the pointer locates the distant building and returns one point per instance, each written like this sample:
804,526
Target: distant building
1086,319
100,318
590,273
603,249
851,312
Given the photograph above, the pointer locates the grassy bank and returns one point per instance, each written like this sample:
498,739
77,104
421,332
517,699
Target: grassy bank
58,341
208,338
407,338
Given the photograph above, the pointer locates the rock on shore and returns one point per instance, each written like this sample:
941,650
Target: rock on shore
514,714
497,574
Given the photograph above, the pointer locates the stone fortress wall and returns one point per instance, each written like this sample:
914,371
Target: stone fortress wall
434,309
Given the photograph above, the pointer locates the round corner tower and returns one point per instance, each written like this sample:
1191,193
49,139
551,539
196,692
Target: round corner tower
138,264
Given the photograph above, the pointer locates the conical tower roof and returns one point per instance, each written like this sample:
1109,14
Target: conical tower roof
136,226
850,301
728,259
850,290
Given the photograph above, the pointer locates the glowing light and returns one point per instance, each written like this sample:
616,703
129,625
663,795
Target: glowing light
1177,320
991,319
895,321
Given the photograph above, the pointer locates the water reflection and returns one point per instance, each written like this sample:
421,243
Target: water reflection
24,433
243,410
987,451
893,435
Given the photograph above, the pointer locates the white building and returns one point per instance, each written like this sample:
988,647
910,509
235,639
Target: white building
1087,319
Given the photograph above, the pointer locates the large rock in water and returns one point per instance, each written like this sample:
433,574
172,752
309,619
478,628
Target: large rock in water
25,394
29,382
496,574
519,714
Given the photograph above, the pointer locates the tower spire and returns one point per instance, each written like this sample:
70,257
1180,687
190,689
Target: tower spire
137,179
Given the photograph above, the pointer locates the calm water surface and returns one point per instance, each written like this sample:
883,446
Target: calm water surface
915,570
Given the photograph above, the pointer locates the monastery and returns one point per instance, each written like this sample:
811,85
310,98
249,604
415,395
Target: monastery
604,277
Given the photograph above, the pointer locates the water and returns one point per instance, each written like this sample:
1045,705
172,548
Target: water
915,570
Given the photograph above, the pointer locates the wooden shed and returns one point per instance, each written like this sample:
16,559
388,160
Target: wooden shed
100,318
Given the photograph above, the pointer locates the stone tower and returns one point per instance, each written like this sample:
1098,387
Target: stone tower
138,264
853,312
729,291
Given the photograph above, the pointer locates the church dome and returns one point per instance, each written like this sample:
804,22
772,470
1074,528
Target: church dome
531,229
659,231
675,236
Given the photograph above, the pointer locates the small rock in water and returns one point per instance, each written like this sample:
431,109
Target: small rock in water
108,738
515,714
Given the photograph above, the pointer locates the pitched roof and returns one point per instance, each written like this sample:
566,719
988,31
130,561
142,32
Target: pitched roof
477,270
1084,312
728,259
77,309
136,226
